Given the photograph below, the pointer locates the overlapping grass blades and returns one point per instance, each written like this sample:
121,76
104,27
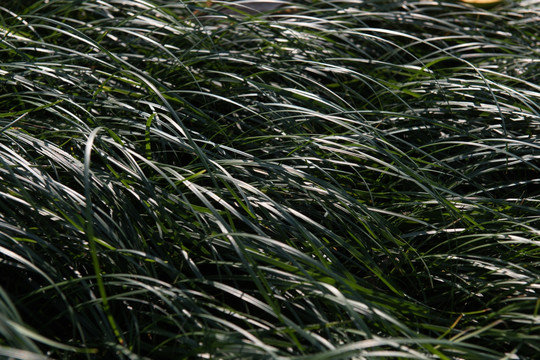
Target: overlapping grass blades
330,180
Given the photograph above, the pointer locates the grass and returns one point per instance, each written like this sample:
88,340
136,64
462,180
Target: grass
329,180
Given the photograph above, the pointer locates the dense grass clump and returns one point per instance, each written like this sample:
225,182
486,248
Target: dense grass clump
328,180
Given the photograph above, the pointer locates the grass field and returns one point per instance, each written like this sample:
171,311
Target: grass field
328,180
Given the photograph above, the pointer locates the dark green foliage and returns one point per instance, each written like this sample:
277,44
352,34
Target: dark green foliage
331,180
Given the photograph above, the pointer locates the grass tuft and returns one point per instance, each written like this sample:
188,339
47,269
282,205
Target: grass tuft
321,180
